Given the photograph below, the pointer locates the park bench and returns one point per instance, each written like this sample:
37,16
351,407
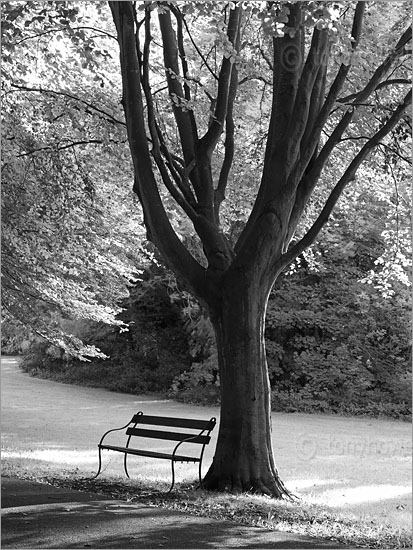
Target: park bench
200,434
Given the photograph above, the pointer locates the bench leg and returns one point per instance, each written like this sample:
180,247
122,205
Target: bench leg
124,464
200,476
100,465
173,476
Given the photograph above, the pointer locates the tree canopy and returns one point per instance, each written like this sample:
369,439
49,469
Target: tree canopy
69,239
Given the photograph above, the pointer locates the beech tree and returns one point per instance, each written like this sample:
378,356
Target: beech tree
316,92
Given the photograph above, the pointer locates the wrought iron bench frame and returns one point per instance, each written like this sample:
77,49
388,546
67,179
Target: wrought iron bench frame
202,437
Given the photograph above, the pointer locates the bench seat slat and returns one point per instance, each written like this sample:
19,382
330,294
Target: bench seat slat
170,421
159,434
151,454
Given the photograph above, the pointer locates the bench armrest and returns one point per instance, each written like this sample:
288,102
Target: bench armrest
188,440
114,430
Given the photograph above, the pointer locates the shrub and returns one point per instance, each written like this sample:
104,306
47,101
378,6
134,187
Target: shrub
144,359
333,345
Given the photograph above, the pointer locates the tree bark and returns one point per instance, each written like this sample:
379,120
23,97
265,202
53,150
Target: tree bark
243,458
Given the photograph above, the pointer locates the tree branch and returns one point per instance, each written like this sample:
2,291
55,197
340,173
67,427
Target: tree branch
157,223
288,64
183,193
70,96
256,77
63,28
210,139
229,145
184,116
317,97
63,147
266,59
309,180
269,204
185,69
397,153
347,177
389,82
158,144
205,62
315,130
313,67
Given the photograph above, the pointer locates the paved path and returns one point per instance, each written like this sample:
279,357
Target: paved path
56,518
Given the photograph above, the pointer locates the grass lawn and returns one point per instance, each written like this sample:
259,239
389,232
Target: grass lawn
358,467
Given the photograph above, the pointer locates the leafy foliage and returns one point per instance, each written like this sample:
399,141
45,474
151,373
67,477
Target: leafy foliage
146,358
70,226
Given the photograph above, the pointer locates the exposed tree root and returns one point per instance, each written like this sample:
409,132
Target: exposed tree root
272,487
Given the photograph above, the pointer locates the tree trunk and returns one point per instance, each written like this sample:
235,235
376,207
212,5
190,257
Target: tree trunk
243,458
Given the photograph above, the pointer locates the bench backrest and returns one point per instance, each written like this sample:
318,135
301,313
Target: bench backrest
203,426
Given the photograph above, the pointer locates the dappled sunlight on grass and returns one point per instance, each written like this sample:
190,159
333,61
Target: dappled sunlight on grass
319,491
85,463
62,456
300,484
378,503
364,493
